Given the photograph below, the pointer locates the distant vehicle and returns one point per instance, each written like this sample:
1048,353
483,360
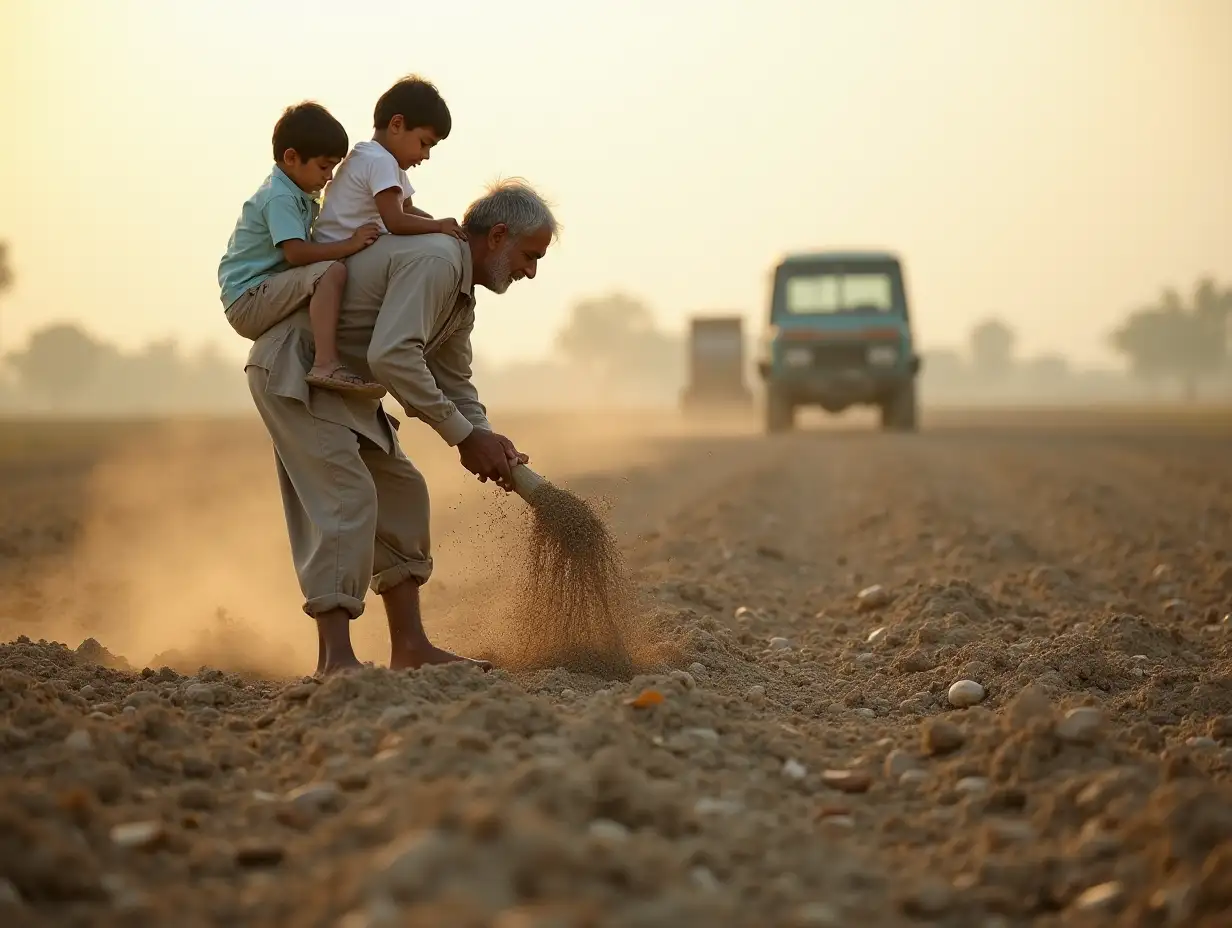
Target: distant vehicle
839,335
716,365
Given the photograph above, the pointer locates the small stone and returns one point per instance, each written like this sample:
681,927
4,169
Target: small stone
710,806
898,762
877,635
87,692
607,830
912,777
697,668
703,734
972,785
755,695
80,741
201,694
196,796
1080,725
8,893
815,915
705,879
314,797
684,678
839,821
141,698
779,644
138,835
260,795
965,693
744,612
1104,896
259,854
872,597
942,737
930,899
794,770
847,781
864,713
1202,741
568,694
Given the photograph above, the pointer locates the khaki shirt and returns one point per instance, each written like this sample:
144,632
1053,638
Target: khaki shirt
406,322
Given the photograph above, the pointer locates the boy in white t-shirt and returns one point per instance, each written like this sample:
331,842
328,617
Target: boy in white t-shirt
371,185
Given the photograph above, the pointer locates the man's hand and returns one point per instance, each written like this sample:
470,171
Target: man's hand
364,236
512,454
484,454
451,227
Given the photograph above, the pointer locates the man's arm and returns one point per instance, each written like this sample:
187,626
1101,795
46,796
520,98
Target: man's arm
450,365
419,289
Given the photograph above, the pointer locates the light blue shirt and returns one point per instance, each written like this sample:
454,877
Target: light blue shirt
278,212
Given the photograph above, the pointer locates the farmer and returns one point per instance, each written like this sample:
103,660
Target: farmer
356,507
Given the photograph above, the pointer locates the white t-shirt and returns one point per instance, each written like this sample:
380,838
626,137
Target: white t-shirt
350,197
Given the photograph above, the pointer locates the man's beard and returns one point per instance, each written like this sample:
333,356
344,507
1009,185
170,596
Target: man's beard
500,274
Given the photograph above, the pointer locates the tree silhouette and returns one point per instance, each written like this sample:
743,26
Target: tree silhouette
1169,341
992,349
59,361
6,272
615,338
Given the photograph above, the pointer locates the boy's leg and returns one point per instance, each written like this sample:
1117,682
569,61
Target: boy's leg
275,298
402,559
330,507
324,308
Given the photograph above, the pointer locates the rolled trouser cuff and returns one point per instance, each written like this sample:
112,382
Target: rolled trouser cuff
417,570
319,605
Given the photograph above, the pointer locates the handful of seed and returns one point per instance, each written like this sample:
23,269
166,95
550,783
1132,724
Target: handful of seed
576,606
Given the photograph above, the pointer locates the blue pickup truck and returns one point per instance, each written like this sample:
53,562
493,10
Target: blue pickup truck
839,335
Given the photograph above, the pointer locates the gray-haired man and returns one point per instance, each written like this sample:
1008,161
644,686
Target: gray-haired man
356,507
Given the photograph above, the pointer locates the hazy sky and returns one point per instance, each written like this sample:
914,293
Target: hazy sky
1053,161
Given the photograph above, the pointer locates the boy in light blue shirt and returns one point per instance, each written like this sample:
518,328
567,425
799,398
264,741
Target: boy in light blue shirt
272,267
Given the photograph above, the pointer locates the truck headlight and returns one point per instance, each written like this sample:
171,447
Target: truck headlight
797,357
882,355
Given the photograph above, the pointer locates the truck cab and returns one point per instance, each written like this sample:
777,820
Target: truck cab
839,335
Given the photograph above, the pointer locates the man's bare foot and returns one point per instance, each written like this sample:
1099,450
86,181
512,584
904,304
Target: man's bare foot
343,665
414,658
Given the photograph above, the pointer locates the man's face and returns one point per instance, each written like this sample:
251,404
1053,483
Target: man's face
511,259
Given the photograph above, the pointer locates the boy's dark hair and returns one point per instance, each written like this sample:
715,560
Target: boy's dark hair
418,102
311,131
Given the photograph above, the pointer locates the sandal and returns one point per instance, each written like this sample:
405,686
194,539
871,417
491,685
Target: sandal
341,380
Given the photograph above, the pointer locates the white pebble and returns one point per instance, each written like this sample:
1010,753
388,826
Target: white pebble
1080,724
864,713
1102,896
756,695
911,777
876,635
704,879
606,830
744,612
965,693
709,806
794,770
1202,741
80,740
568,694
697,668
779,644
972,785
136,834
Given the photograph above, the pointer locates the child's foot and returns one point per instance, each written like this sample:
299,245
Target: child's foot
336,377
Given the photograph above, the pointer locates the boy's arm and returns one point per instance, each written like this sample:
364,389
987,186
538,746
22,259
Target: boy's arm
409,207
398,221
286,227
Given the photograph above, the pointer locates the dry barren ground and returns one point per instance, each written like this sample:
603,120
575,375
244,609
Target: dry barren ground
806,765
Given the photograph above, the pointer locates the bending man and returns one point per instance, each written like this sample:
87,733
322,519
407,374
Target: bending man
356,507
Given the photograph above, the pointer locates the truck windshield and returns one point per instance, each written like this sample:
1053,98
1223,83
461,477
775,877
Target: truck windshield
839,291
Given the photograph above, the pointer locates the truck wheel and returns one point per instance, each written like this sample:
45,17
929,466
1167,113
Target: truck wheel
780,411
899,412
